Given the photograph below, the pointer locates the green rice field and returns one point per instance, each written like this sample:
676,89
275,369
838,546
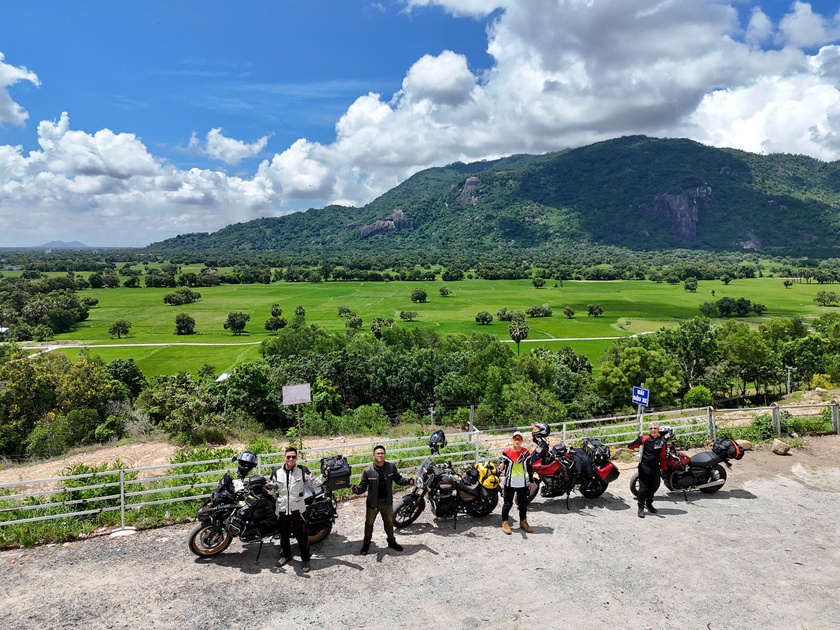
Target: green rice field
629,307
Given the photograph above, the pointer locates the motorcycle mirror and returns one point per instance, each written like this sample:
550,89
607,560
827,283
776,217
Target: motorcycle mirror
233,459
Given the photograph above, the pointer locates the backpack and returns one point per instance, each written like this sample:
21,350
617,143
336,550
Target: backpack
727,449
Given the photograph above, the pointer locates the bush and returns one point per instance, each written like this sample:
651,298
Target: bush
184,324
112,429
698,396
823,381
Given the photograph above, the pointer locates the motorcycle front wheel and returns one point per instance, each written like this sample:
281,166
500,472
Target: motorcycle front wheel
319,535
408,510
484,504
717,473
594,489
208,540
634,484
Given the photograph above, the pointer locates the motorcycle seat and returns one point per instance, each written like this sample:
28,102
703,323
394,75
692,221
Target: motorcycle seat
705,459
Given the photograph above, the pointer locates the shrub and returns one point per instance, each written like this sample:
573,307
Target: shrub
484,318
822,380
698,396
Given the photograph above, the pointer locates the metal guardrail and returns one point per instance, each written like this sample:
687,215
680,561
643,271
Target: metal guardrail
134,490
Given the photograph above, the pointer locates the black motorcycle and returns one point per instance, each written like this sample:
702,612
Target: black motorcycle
449,492
246,509
702,472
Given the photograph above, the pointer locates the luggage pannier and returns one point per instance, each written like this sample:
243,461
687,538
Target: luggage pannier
727,449
319,514
598,452
488,475
336,470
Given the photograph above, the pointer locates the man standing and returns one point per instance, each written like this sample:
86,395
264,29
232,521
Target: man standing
518,474
377,481
289,483
653,452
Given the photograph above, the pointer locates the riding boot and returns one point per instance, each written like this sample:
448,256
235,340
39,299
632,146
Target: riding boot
651,509
506,527
641,511
523,525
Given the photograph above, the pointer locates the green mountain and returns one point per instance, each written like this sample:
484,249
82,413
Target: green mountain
634,192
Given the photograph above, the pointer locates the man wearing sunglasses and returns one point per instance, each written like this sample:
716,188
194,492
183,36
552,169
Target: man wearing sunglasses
289,483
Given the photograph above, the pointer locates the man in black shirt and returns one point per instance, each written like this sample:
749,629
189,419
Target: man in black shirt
653,451
377,481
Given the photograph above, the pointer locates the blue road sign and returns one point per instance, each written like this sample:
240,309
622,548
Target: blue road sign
641,396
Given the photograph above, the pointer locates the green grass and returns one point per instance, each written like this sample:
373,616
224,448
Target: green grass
629,307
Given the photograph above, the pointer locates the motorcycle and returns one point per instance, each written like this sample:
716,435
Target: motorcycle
702,472
560,470
245,508
449,492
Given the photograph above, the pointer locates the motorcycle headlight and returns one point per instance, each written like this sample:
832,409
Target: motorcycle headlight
418,483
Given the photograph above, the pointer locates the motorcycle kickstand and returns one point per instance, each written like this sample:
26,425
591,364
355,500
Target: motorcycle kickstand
568,494
685,494
259,551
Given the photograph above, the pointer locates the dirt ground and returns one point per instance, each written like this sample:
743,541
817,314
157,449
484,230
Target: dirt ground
763,552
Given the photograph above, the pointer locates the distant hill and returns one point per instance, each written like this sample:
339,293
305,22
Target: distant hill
62,245
634,192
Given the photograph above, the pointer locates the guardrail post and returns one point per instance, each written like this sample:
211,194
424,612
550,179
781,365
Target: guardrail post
835,416
259,464
564,433
122,499
712,429
777,419
477,437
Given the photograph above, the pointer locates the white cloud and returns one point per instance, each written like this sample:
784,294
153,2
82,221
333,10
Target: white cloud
803,28
760,27
11,112
107,189
228,150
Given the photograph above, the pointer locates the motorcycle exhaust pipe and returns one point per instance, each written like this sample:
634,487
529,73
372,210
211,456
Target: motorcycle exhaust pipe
712,484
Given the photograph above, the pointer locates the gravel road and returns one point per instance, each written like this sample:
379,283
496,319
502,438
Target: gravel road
764,552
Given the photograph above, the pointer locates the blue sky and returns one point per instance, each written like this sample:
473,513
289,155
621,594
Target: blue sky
126,123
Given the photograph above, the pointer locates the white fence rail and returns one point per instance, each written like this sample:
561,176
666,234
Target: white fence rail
135,488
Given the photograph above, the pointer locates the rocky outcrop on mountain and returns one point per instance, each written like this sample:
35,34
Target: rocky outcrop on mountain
394,222
466,196
750,241
680,211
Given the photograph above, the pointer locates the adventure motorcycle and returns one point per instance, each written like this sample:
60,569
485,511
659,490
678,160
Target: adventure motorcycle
560,470
449,492
245,508
701,472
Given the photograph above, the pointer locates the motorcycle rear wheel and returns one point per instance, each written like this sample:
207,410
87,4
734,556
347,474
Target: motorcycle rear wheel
593,489
319,535
208,540
407,511
717,473
483,505
634,484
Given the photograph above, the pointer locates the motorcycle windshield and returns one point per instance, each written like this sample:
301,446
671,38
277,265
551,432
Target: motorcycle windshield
428,470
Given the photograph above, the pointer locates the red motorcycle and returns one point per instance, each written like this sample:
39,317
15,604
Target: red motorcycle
702,472
560,470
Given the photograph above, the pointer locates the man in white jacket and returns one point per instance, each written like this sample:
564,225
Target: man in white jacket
289,484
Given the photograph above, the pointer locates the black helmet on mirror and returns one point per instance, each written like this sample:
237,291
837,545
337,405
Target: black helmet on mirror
540,430
245,463
437,440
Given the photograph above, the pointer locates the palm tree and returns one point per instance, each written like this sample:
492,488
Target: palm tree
518,331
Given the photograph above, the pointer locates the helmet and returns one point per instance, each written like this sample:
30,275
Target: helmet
540,430
437,440
245,463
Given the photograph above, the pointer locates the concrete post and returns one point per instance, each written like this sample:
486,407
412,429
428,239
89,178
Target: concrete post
777,418
712,428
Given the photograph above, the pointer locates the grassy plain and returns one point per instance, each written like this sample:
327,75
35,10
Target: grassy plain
629,307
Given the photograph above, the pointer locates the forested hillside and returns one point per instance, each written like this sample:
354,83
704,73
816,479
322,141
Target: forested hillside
634,192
